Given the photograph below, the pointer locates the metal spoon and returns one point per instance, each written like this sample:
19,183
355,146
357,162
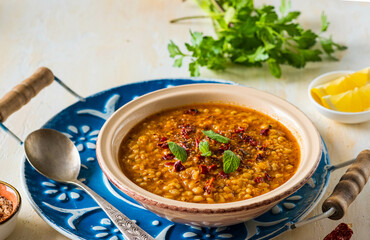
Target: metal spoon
54,155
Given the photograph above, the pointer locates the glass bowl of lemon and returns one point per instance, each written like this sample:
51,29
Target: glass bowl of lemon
343,96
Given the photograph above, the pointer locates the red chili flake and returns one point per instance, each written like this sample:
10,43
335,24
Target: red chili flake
239,169
243,151
265,132
212,167
199,157
163,139
211,141
178,166
185,145
192,111
186,129
268,177
208,185
168,156
247,138
253,143
184,134
163,145
224,146
259,179
341,232
203,169
239,130
169,163
259,156
223,174
240,135
263,147
196,144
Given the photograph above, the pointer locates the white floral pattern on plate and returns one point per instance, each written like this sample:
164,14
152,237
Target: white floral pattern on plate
82,137
61,192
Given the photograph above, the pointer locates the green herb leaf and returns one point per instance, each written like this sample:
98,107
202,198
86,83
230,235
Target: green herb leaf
219,138
340,47
174,50
231,162
328,47
290,17
274,68
253,36
196,38
284,7
324,22
311,55
292,29
258,55
194,69
204,149
179,152
306,40
229,15
178,62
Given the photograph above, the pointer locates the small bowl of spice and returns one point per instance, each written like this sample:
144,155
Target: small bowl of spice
10,203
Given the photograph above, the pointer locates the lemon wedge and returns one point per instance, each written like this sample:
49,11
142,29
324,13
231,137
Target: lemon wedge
341,85
356,100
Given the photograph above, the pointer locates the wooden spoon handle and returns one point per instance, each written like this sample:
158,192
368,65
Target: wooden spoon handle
24,92
349,186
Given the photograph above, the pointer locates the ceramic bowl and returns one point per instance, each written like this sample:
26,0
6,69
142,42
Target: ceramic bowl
9,192
196,214
344,117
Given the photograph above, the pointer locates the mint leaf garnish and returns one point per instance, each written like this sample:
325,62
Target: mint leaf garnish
212,135
231,162
204,149
179,152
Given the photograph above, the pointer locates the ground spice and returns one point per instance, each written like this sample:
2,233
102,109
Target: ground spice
6,208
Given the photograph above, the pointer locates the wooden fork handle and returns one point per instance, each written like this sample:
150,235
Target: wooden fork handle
349,186
24,92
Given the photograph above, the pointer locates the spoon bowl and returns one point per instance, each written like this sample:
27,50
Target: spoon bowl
55,156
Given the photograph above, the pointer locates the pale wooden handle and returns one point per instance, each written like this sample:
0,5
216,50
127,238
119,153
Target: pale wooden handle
349,186
24,92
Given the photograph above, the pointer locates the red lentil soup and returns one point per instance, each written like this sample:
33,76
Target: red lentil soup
209,153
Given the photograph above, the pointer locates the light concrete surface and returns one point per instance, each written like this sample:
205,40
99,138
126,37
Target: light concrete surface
96,45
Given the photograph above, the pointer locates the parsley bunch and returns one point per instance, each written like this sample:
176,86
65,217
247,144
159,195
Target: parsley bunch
252,36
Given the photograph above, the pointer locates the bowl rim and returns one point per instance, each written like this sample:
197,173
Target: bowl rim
164,203
19,202
314,83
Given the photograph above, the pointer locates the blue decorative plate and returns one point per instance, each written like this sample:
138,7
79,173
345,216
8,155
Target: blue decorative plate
73,213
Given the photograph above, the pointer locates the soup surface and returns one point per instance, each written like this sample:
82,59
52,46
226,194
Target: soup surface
209,153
